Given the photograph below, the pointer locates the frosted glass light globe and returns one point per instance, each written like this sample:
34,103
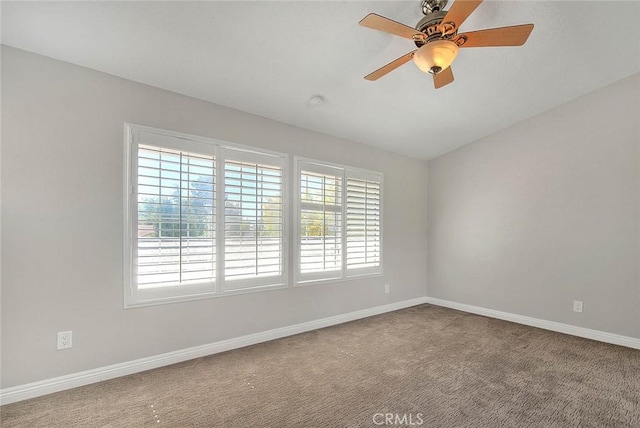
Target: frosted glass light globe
434,57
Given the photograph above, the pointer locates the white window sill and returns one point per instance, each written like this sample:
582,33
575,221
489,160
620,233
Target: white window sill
305,283
201,296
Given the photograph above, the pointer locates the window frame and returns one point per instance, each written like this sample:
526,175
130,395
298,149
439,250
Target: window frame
135,297
327,170
300,279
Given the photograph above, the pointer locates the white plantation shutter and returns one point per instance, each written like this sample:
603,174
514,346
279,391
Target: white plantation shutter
339,222
174,233
320,226
254,219
176,217
202,218
363,225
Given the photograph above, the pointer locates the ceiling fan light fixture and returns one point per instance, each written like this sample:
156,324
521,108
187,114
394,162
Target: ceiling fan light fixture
435,56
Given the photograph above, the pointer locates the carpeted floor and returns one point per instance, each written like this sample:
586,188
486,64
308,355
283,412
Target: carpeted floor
425,366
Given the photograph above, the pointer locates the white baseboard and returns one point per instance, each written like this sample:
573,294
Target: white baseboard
48,386
587,333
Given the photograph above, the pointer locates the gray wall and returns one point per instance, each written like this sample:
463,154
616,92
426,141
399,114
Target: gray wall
543,213
62,220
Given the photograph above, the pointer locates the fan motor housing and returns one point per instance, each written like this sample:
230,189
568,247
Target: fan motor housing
430,26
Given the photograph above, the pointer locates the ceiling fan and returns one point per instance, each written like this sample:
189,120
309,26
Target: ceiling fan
437,39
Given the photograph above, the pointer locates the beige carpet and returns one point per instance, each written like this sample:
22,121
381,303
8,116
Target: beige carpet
432,366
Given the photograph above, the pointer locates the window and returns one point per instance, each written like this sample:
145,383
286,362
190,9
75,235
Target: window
203,218
320,222
207,218
363,224
176,217
339,222
253,215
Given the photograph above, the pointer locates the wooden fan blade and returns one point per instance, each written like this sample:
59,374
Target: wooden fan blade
460,11
390,67
387,25
516,35
443,78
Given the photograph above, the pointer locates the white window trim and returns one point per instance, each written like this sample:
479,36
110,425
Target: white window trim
342,274
133,297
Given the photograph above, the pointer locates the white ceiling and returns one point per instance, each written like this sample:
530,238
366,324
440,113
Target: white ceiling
270,57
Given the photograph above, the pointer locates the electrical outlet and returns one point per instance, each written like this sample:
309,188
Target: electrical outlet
65,340
386,289
577,306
